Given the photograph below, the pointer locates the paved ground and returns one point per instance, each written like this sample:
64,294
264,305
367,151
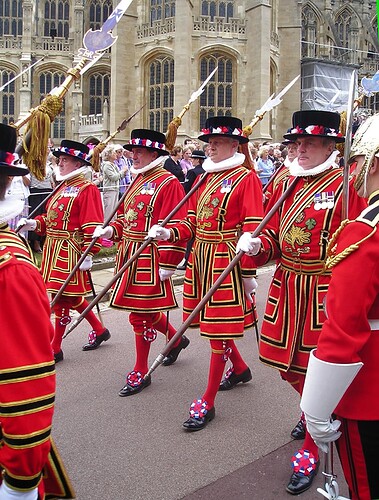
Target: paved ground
136,449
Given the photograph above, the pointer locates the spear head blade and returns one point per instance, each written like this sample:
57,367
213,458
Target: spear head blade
200,90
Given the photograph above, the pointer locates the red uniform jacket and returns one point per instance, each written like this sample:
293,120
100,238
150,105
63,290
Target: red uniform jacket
151,197
27,370
73,212
227,204
297,236
352,304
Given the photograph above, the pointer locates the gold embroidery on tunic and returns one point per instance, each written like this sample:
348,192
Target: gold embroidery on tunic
206,213
297,235
131,215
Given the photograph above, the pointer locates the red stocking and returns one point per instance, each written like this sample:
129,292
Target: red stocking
161,324
80,304
142,354
295,379
216,370
62,319
235,357
141,323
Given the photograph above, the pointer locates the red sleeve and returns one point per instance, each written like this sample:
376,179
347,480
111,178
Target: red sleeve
27,401
352,297
91,215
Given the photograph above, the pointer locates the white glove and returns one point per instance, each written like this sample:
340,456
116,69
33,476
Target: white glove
323,431
248,244
7,493
249,285
165,274
26,224
103,232
86,264
159,233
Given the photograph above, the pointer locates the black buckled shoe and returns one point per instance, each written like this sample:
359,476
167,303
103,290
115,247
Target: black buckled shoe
172,356
298,432
231,379
135,383
58,356
95,340
304,473
200,415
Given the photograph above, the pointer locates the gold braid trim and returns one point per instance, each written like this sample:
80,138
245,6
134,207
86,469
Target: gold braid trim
38,128
332,258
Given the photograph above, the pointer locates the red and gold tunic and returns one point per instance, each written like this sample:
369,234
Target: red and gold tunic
298,235
27,370
227,204
151,197
351,332
72,214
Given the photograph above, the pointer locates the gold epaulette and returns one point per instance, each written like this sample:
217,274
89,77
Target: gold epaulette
332,257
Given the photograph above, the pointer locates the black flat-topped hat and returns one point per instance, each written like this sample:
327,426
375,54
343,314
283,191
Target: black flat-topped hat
315,123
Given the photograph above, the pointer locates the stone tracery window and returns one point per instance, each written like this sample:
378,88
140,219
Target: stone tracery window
161,9
161,93
11,17
57,16
309,29
217,98
217,8
99,11
47,81
343,26
8,97
99,91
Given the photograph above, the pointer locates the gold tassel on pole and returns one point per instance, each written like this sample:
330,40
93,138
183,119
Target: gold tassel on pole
244,148
38,129
172,132
95,158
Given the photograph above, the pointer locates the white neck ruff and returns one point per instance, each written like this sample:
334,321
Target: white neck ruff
234,161
297,171
287,163
148,167
78,171
10,207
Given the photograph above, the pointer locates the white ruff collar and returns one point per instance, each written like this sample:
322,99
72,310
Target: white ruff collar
10,207
148,167
297,171
78,171
234,161
288,163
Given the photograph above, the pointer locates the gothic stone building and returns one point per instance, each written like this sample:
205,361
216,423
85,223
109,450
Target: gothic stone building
165,49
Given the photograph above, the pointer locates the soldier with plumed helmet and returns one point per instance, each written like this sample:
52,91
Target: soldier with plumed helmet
343,373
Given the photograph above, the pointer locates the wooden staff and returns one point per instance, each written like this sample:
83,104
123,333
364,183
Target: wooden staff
158,361
134,257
